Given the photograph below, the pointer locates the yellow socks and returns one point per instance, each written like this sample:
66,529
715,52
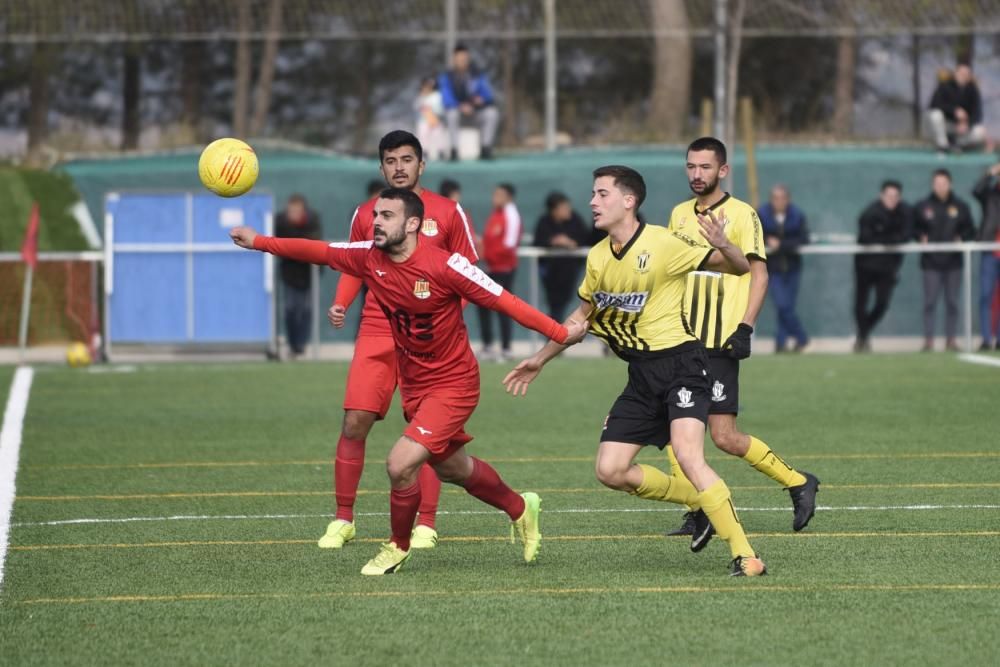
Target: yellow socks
716,503
657,485
678,474
763,459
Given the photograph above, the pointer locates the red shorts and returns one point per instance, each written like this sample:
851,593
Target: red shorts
437,420
372,378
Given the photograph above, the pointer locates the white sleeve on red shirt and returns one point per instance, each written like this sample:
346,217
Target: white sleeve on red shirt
512,230
468,245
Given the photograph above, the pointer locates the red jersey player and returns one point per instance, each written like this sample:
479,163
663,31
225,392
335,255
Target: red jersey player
420,289
372,377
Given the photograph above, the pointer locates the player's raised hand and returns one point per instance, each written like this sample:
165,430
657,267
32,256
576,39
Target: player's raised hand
337,314
516,382
713,228
577,331
243,237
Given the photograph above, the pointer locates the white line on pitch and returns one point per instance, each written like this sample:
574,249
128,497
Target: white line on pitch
238,517
981,359
10,449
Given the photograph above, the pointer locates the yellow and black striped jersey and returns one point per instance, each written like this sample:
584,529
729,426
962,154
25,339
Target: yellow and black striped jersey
638,291
715,303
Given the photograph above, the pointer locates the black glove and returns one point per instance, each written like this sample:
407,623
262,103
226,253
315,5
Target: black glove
738,345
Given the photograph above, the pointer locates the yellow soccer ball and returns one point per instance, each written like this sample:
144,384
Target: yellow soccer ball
228,167
77,355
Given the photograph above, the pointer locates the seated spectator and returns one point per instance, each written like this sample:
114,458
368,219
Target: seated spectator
501,236
785,231
987,191
429,109
942,218
466,91
560,227
955,114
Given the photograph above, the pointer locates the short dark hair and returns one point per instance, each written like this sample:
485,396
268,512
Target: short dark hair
627,179
709,144
413,206
509,188
297,198
555,198
398,139
891,183
941,172
374,187
449,187
460,47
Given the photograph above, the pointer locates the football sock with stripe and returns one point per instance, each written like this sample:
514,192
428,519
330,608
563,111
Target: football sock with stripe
403,504
347,468
485,483
430,494
716,502
766,461
657,485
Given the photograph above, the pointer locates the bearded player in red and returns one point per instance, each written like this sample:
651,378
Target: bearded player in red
372,378
420,289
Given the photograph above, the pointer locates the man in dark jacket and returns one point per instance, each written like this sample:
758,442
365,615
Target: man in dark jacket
466,91
562,228
297,221
987,191
785,231
942,218
885,221
955,114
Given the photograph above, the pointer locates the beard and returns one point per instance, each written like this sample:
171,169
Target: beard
391,241
708,187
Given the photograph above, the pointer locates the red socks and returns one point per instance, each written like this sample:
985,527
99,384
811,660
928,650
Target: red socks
430,494
484,483
403,504
347,469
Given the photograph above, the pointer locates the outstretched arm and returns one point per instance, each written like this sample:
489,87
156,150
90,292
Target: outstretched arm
727,258
345,257
524,373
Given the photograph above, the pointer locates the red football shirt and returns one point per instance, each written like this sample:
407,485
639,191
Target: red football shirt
422,299
445,225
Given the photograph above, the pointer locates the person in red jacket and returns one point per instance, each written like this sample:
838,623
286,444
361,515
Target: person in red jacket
501,236
421,288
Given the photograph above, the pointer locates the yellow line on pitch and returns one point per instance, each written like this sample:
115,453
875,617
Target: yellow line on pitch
517,459
490,538
750,586
594,489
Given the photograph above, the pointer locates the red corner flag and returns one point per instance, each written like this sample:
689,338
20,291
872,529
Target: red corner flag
29,248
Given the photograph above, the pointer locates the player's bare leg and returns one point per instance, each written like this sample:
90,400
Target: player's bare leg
802,486
481,481
687,436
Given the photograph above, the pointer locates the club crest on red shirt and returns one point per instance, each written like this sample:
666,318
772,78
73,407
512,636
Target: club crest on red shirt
429,227
422,288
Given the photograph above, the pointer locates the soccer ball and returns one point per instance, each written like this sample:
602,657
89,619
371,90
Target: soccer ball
77,355
228,167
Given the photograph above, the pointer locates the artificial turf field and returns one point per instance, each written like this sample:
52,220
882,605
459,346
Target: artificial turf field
205,487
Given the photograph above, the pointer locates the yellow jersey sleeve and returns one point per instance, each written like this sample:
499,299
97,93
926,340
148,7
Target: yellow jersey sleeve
684,254
744,230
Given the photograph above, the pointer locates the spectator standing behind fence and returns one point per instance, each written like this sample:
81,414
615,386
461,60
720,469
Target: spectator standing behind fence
785,231
885,221
942,218
466,91
987,191
561,228
501,236
297,221
451,189
955,114
429,109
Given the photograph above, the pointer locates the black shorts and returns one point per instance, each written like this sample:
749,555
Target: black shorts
725,385
660,390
